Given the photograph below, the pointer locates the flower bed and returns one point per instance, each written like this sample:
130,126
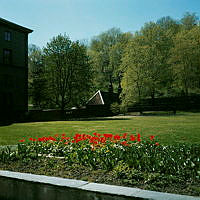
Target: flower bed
131,159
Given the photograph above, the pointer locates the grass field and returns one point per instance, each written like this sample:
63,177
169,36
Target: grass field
170,129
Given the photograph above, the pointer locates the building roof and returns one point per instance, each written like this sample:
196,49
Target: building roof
14,26
103,98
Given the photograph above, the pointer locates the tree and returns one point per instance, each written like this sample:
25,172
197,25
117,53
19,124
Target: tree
167,22
68,70
105,56
158,43
146,70
133,67
169,25
116,53
37,80
189,20
185,60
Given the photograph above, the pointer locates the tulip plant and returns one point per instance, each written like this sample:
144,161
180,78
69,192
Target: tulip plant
105,151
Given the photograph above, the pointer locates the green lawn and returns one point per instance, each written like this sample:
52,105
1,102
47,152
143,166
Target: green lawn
183,127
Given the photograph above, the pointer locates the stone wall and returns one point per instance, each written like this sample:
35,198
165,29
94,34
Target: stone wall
21,186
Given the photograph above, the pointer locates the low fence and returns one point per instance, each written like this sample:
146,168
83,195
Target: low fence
182,103
55,115
22,186
45,115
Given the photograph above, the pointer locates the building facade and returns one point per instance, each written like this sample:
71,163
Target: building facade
13,69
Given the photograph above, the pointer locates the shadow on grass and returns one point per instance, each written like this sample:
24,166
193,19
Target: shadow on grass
75,119
160,114
128,116
165,113
6,123
98,119
195,111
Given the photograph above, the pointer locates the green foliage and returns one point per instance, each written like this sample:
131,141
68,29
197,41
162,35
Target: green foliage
6,154
162,59
37,78
123,108
146,72
143,156
169,24
60,74
68,70
115,108
106,51
128,160
189,20
185,61
133,77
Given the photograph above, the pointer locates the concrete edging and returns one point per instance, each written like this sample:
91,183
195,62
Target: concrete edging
23,186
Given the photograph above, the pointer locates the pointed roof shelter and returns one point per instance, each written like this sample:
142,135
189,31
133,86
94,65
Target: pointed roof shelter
103,98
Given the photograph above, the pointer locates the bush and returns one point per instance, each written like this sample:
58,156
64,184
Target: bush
115,108
123,109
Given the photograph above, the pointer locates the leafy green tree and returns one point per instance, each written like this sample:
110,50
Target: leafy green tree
105,51
145,64
185,61
133,66
36,80
116,53
68,70
169,25
189,20
158,43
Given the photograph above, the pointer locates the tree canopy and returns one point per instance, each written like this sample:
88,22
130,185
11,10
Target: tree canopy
159,60
68,69
63,68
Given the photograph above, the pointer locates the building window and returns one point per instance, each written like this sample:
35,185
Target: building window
7,36
7,56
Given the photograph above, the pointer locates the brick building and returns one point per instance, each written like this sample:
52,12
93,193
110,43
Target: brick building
13,69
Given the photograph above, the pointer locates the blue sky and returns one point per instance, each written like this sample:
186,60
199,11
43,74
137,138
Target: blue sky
83,19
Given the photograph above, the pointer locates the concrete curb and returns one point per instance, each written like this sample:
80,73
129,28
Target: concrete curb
21,186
